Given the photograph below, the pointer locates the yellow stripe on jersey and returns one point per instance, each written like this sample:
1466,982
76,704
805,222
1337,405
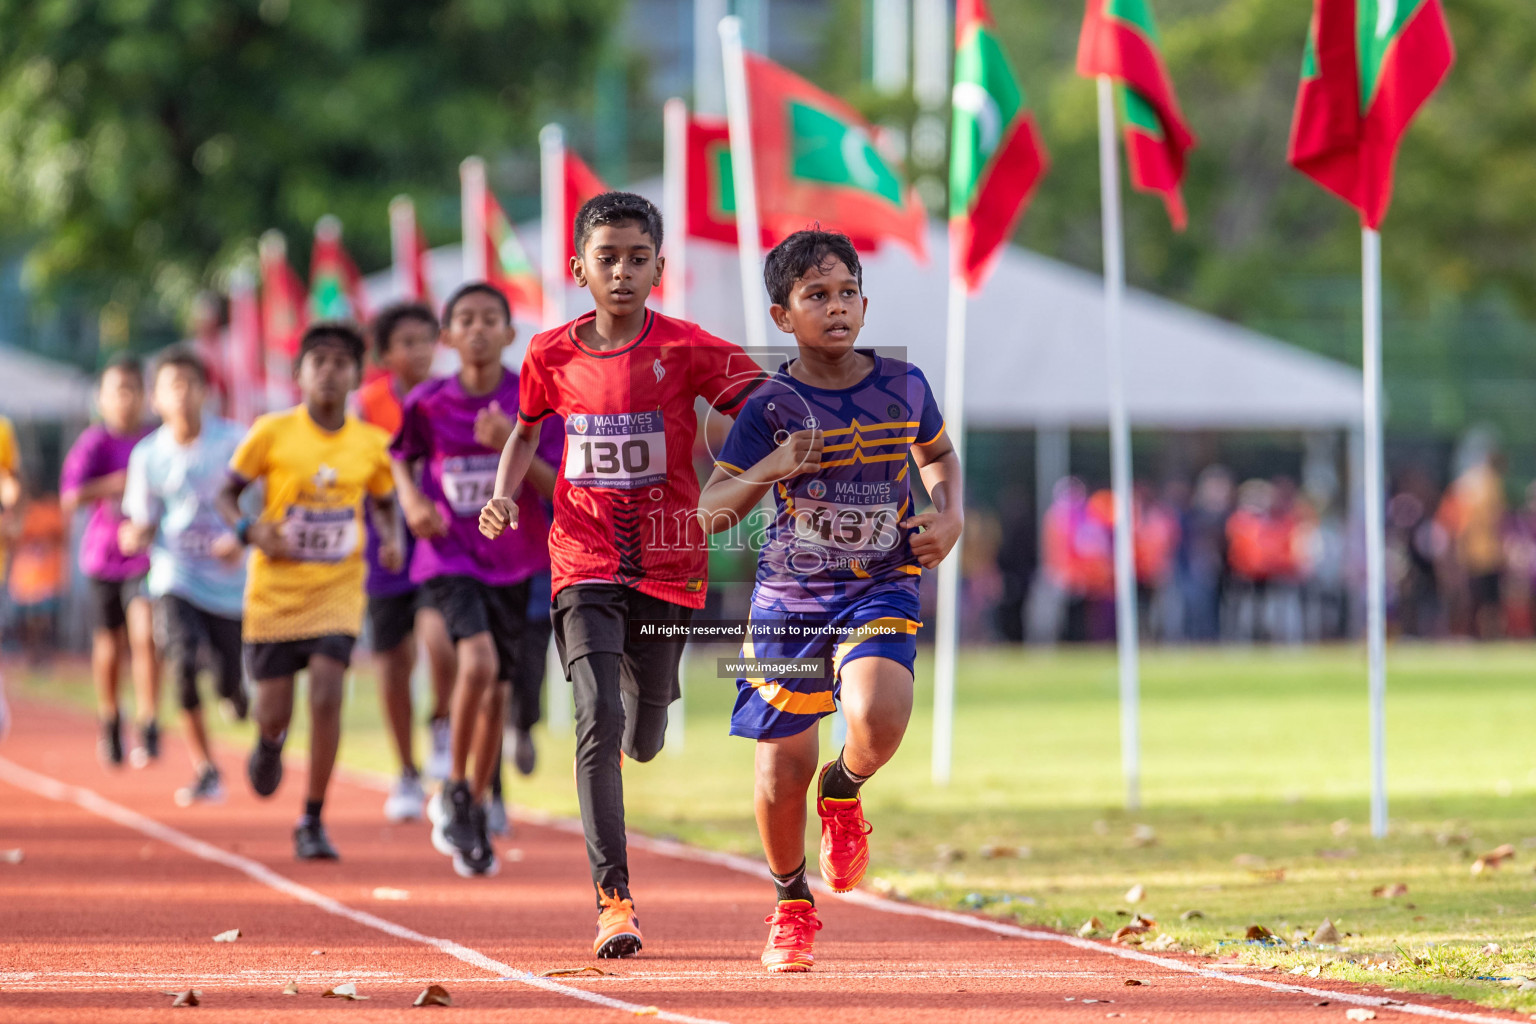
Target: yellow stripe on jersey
855,427
935,437
315,482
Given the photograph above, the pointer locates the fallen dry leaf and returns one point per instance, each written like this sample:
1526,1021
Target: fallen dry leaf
1129,934
1133,983
1269,874
229,936
1326,933
347,991
1143,919
291,989
1390,892
1258,933
12,856
647,1011
1090,927
1360,1013
1136,893
993,851
1190,915
384,892
1493,949
433,995
571,972
946,854
317,952
188,998
1143,835
1164,943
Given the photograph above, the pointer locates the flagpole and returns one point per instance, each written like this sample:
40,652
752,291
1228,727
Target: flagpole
472,219
947,635
1120,448
674,190
402,239
553,222
1375,542
744,178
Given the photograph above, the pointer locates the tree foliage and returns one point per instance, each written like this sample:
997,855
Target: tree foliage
145,144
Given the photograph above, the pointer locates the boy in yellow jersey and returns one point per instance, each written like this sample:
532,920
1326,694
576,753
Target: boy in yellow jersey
10,496
304,594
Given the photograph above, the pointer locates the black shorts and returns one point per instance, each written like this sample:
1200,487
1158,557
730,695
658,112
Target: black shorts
469,607
110,600
190,638
283,658
391,619
593,618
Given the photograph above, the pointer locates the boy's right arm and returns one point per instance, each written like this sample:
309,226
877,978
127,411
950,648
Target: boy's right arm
500,513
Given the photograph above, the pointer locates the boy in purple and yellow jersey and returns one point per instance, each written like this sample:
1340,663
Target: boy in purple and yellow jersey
831,435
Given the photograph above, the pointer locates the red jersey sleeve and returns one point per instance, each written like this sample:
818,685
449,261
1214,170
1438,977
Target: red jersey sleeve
535,396
723,374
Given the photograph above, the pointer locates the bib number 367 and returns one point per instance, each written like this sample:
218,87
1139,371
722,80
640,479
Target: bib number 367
321,535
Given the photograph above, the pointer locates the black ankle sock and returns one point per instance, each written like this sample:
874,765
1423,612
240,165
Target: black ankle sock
272,745
793,886
496,783
312,809
841,784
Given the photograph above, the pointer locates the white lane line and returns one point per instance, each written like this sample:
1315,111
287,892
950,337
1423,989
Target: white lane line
52,789
758,869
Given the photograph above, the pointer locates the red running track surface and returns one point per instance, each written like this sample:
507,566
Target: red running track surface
120,893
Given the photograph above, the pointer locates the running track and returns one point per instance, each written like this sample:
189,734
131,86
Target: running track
120,893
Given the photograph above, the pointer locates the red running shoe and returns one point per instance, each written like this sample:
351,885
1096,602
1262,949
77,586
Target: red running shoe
790,939
844,838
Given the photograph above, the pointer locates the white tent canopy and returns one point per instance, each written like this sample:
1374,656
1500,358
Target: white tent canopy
1036,355
35,388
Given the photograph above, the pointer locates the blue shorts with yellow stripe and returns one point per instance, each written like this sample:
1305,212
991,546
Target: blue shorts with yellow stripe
881,624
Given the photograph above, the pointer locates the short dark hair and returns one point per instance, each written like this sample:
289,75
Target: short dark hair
802,252
182,357
123,362
476,288
391,317
616,208
333,332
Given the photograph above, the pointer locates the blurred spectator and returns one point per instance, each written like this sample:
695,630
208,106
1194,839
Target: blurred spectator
1265,542
1018,557
1200,564
1472,515
1520,558
1416,543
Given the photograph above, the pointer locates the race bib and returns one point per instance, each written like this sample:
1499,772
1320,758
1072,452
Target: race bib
469,481
320,534
624,450
196,541
868,528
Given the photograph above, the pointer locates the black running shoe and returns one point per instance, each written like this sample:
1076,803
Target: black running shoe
265,768
454,833
148,750
479,861
109,746
311,843
207,788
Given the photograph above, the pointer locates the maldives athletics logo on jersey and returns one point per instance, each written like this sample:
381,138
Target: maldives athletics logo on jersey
1369,66
579,423
816,489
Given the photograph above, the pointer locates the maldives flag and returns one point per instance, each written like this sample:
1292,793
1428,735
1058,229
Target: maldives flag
1369,66
1119,39
283,302
996,157
335,286
408,248
816,162
711,188
507,265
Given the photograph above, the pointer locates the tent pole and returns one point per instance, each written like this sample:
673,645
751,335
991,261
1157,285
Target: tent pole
1120,449
1375,508
554,222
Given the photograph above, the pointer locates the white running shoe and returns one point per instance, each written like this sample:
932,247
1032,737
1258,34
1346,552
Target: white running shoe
440,760
437,807
405,801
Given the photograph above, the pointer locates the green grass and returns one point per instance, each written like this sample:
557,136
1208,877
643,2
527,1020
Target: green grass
1255,787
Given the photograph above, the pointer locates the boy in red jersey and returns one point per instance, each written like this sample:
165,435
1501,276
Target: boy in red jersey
625,544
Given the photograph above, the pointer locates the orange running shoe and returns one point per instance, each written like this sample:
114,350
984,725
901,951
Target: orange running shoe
790,939
844,838
618,929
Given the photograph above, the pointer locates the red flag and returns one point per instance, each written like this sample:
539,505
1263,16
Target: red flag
711,189
1119,39
335,286
208,342
1360,91
283,318
581,184
816,162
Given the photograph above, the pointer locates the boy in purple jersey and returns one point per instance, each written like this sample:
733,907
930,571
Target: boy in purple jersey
95,472
837,579
453,429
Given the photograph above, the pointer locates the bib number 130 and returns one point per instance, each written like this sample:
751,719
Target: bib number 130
610,452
